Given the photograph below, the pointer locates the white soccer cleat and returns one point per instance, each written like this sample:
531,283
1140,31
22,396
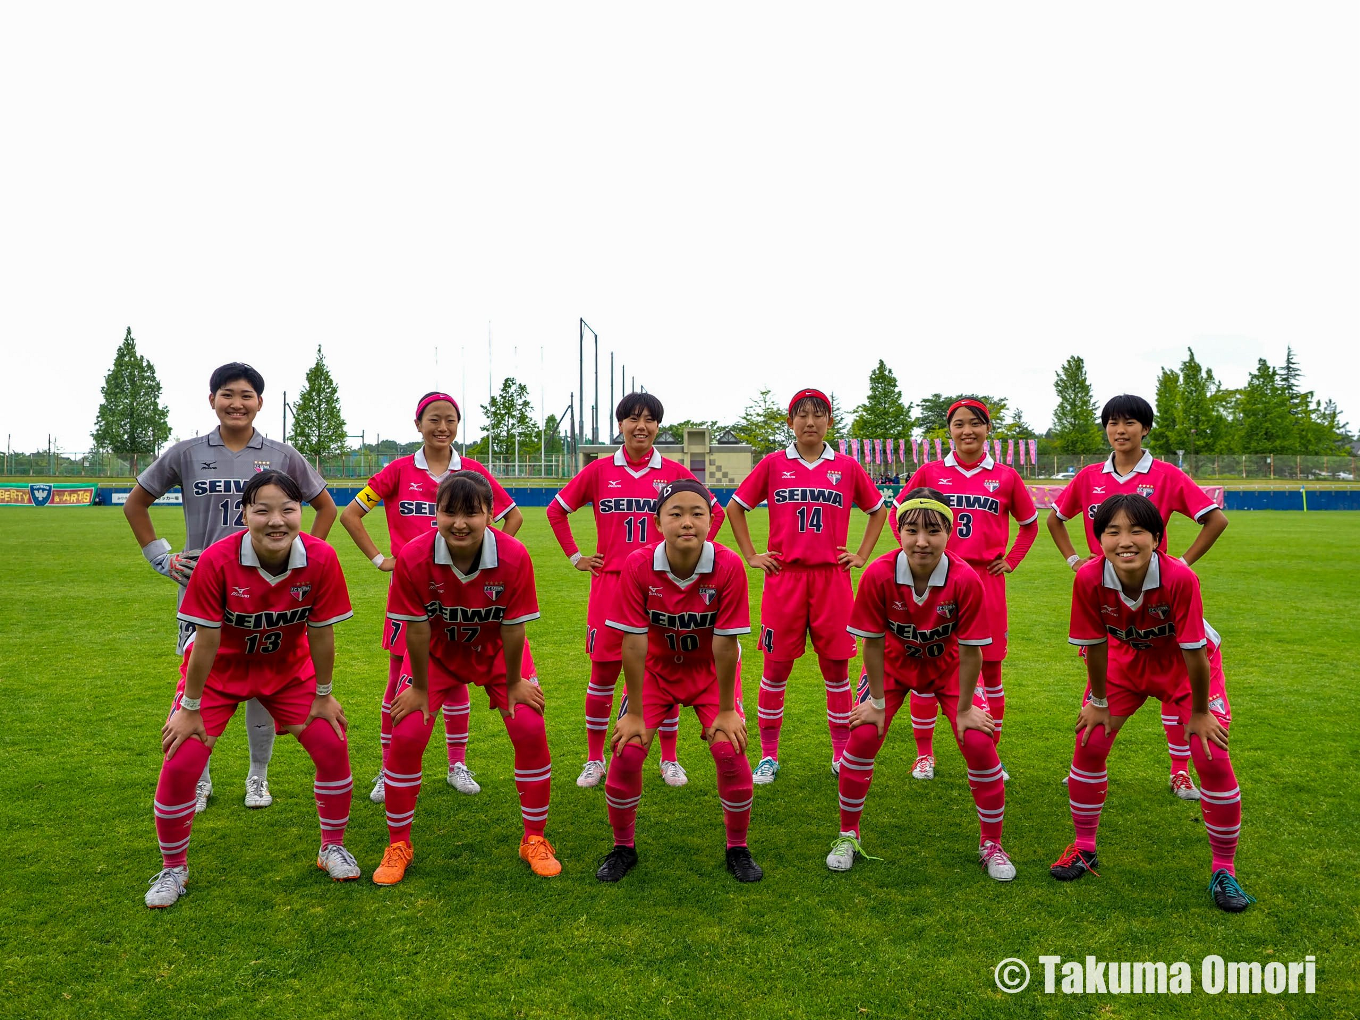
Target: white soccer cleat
924,767
201,794
1183,787
1005,776
257,792
379,792
338,862
673,773
765,772
842,855
836,767
167,887
460,778
591,775
996,861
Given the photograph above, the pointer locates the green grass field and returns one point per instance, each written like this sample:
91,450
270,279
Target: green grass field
86,642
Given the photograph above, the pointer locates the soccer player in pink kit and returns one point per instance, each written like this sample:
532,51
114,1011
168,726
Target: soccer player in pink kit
923,617
985,495
1128,420
465,592
809,489
261,605
622,490
406,488
1150,604
681,607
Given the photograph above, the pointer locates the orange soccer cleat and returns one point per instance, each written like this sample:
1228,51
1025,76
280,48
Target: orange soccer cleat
393,867
539,853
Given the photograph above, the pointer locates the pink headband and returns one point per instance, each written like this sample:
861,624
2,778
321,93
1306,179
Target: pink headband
435,398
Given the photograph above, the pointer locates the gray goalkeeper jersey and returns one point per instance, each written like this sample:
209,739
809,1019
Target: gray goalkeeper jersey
211,477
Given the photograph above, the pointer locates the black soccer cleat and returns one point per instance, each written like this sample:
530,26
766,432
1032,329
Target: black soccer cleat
1228,895
1073,864
617,863
740,863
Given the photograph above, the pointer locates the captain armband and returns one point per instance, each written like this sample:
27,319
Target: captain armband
367,498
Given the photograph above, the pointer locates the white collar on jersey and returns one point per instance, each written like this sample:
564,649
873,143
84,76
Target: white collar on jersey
621,460
827,454
660,561
455,462
297,557
1153,580
1143,466
489,558
256,438
986,464
937,578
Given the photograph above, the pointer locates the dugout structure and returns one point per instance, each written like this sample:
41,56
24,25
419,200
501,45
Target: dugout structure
721,463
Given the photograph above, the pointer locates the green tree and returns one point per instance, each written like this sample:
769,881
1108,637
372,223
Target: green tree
764,425
132,422
1165,438
318,428
840,424
882,415
1076,429
1263,423
1202,425
931,413
509,416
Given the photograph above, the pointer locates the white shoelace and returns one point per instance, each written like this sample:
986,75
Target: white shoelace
169,880
335,850
255,786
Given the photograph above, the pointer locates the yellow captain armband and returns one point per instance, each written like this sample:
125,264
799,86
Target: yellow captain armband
367,498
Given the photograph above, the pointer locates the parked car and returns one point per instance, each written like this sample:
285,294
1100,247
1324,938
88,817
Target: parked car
1066,476
1345,476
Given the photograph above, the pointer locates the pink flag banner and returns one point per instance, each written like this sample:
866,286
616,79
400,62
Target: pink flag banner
1022,453
916,459
1034,451
878,451
902,451
854,448
1010,451
939,450
996,445
842,442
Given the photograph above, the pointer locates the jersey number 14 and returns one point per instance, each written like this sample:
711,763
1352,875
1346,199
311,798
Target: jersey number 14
810,519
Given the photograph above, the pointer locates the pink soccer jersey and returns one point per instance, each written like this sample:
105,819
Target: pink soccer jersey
1170,489
466,611
921,650
983,498
263,617
681,616
408,491
624,500
809,504
1149,632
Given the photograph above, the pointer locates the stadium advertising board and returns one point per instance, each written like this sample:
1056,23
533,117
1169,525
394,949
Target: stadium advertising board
48,494
172,498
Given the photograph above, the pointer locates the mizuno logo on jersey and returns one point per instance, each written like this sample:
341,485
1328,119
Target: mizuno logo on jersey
682,621
627,505
910,632
416,508
299,591
415,486
1131,633
614,483
466,614
1097,490
968,501
240,593
267,621
209,486
828,496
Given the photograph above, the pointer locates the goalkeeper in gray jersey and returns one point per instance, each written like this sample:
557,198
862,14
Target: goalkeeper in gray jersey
211,471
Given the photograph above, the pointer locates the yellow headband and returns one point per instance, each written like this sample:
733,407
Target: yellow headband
925,504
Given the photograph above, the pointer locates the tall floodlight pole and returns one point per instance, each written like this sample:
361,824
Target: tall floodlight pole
582,409
490,396
611,396
595,410
542,421
462,357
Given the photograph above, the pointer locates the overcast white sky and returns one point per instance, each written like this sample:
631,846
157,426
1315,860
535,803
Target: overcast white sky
735,196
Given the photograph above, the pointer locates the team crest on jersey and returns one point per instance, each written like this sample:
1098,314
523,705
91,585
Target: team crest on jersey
1216,705
1161,610
1145,491
493,591
261,465
991,485
240,593
299,591
946,609
658,484
708,594
834,477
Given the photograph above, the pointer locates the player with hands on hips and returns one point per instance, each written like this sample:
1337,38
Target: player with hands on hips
921,613
809,489
1139,615
680,608
262,606
465,592
211,471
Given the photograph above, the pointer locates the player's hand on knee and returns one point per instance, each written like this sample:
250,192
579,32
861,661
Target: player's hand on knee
1089,718
974,718
181,726
728,726
324,706
1209,730
864,714
408,701
524,693
627,729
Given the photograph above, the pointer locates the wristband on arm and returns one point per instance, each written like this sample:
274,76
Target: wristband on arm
324,689
191,704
